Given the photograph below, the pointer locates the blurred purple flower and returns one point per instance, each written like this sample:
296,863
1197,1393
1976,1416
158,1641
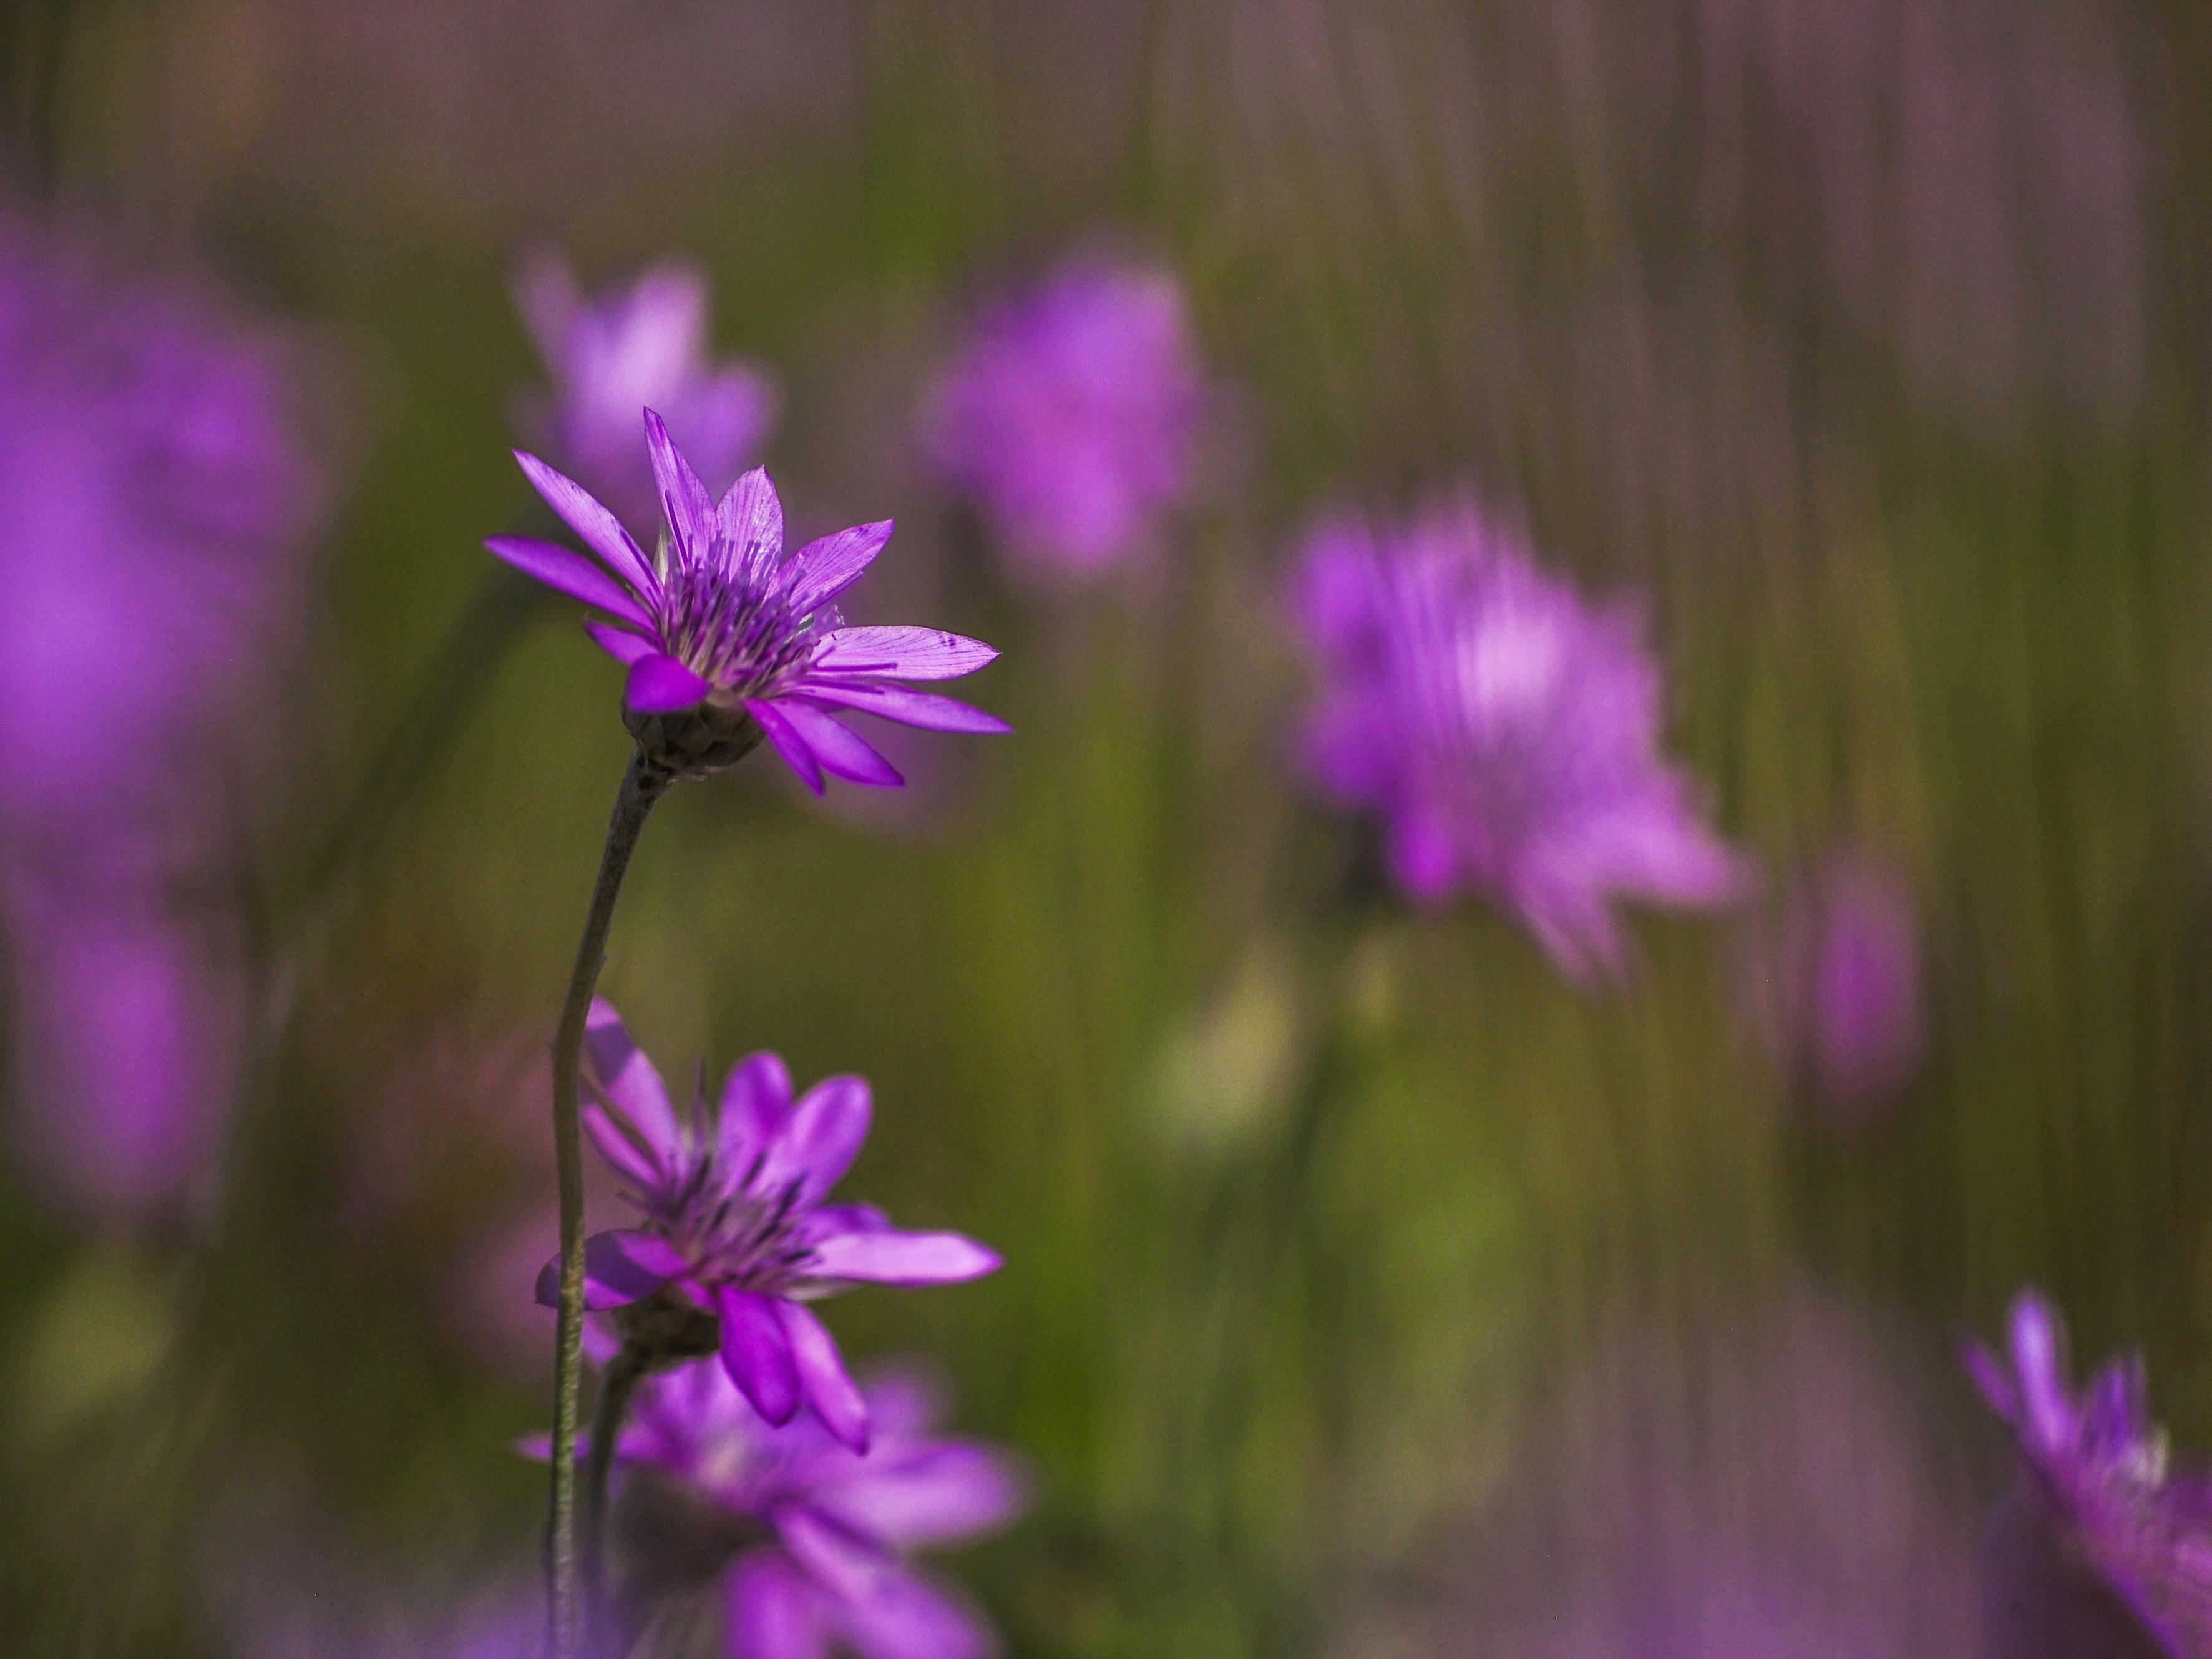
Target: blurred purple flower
2094,1473
735,1214
833,1567
1506,733
726,639
1072,416
632,346
155,495
1837,989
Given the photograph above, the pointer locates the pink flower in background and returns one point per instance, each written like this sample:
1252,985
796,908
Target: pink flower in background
1836,989
735,1201
156,497
2098,1510
1072,416
611,355
1506,732
727,639
833,1569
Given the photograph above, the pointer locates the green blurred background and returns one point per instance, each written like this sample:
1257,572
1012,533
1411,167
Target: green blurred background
1370,1290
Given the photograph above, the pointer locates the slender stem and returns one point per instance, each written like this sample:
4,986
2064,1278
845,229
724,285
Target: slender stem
641,786
619,1380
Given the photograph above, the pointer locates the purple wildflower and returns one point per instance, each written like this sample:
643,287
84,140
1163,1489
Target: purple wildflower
1506,733
634,346
726,639
832,1569
1072,415
2094,1473
733,1199
1839,985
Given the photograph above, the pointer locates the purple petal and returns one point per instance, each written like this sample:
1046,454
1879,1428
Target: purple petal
839,749
601,531
755,1101
637,1164
895,702
843,1562
820,1141
620,643
570,571
822,1380
2038,1369
902,653
784,738
750,516
628,1078
905,1617
946,1493
903,1258
827,567
620,1267
756,1354
683,497
662,685
772,1611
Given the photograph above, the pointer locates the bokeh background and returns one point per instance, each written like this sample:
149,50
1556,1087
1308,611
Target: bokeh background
1371,1290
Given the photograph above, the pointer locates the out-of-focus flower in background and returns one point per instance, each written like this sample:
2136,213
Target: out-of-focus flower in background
1506,732
1072,416
1834,987
2097,1513
735,1212
833,1567
726,640
155,498
631,346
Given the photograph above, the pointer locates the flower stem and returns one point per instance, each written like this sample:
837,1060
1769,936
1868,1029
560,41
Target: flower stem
617,1383
641,786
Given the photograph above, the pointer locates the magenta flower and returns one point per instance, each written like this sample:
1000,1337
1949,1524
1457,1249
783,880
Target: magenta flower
1837,987
2095,1471
1072,416
735,1217
643,344
1506,733
833,1570
728,639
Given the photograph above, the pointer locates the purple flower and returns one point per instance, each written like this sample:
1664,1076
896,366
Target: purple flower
634,346
1837,987
832,1569
2095,1472
1506,733
1072,415
727,639
735,1213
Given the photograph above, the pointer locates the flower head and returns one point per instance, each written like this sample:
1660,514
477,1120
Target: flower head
632,346
836,1529
1506,733
2095,1470
1072,415
734,1199
728,638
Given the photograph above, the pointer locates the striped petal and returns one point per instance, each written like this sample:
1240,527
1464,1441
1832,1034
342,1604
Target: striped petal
683,497
827,567
749,518
841,749
565,568
895,702
601,531
902,653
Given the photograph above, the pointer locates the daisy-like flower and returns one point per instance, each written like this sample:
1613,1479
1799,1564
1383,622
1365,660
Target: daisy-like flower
2097,1506
1072,417
729,638
835,1529
630,347
734,1200
1506,733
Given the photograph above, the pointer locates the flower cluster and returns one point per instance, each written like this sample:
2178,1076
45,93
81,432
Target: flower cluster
1506,733
1072,415
2094,1470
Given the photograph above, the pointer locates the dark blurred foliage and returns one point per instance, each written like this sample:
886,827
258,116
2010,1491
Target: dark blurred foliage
1370,1290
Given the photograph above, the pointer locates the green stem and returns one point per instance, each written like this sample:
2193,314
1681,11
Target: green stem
641,786
620,1380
